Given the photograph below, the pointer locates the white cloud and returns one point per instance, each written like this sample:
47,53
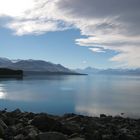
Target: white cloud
108,25
32,27
129,56
35,27
99,50
15,8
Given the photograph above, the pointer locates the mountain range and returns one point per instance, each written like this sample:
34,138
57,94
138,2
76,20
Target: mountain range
40,66
33,65
90,70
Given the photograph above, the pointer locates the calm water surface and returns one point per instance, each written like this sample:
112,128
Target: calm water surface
88,95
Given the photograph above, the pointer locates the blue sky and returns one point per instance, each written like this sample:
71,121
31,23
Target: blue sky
59,32
56,47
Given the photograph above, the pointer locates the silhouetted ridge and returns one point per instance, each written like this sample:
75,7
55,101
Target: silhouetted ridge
4,72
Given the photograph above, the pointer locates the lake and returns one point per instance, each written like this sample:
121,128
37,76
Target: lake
88,95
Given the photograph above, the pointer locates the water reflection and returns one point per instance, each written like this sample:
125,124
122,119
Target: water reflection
88,95
2,92
109,95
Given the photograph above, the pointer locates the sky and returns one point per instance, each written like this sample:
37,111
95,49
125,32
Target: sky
74,33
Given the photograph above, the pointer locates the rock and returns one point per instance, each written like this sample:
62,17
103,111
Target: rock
69,115
74,135
107,137
74,118
1,132
19,137
19,125
29,115
77,138
32,134
127,137
3,117
45,123
93,136
72,127
12,130
91,128
11,120
51,136
17,111
3,124
102,115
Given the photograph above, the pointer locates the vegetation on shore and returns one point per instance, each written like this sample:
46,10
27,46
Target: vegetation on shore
4,72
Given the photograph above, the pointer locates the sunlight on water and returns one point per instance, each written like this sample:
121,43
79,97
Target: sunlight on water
2,93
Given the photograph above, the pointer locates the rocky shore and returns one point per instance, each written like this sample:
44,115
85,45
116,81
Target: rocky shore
17,125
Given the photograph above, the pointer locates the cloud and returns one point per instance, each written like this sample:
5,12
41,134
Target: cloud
15,8
35,27
106,25
128,57
99,50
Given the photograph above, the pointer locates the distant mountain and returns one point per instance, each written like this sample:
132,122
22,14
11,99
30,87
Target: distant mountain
120,72
33,65
4,62
90,70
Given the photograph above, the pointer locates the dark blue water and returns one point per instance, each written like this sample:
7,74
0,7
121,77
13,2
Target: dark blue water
88,95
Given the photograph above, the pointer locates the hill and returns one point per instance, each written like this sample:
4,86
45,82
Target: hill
35,66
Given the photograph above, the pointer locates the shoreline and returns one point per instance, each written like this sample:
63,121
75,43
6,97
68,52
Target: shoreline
17,125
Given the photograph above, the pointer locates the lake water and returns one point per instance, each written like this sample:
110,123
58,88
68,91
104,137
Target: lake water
88,95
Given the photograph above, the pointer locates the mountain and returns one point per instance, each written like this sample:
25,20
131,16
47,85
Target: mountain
120,72
38,65
4,62
90,70
33,65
